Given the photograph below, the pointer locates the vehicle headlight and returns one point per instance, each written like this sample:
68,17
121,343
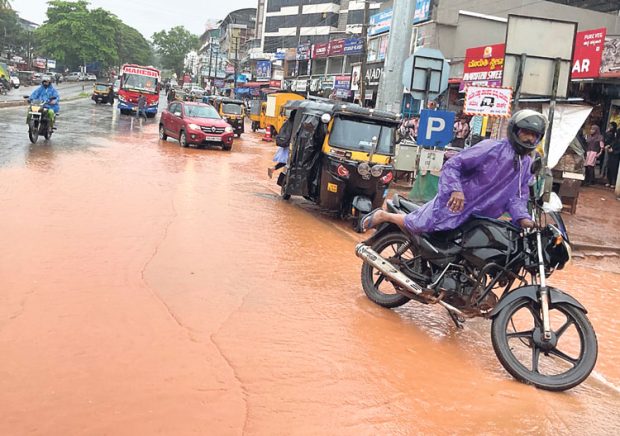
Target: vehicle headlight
376,171
228,129
363,169
194,126
121,98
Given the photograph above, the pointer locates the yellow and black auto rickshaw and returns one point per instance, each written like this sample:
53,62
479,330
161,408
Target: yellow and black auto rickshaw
340,156
232,111
103,93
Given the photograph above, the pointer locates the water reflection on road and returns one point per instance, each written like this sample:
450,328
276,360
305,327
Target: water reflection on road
150,288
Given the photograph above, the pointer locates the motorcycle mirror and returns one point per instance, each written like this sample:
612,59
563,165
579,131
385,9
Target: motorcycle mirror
373,148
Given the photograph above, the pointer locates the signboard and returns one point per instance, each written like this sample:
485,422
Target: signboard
380,23
336,47
494,102
219,83
543,40
40,63
263,71
610,63
275,84
342,82
300,85
353,46
422,11
51,64
483,66
320,50
303,52
435,128
373,74
280,54
589,46
431,160
426,74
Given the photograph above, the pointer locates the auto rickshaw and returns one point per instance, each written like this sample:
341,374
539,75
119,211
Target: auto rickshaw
341,156
275,114
103,93
257,114
232,111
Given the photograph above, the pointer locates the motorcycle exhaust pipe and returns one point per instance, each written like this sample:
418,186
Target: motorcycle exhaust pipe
375,260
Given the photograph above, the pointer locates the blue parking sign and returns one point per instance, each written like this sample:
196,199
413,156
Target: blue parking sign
435,128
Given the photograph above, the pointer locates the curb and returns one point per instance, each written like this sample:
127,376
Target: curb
605,249
18,103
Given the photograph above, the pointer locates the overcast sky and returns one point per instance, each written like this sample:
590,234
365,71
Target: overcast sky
149,16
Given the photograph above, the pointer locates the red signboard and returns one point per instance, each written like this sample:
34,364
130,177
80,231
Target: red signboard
336,47
484,66
320,50
589,46
275,84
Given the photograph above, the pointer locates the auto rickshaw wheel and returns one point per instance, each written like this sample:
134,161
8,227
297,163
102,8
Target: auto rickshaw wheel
284,196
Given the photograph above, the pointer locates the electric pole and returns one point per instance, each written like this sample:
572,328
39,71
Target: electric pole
390,87
210,60
362,85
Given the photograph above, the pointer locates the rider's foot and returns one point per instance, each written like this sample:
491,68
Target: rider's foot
270,172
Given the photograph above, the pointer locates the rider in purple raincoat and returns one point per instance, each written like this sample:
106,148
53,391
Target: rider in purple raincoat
486,180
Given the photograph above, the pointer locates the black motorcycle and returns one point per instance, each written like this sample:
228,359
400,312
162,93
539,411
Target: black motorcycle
38,120
490,268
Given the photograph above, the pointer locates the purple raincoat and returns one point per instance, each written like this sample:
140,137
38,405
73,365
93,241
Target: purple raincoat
486,175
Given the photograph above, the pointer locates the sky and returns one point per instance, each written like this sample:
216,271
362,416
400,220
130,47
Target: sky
149,16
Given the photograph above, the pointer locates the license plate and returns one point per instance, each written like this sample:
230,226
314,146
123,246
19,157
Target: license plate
213,138
332,187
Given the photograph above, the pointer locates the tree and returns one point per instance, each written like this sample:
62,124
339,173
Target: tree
75,35
12,34
173,46
5,4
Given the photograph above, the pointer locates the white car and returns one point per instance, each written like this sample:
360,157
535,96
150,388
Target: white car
14,81
91,77
74,77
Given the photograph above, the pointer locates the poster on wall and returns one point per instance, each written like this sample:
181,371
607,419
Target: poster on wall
356,73
263,71
610,63
484,66
587,56
422,11
494,102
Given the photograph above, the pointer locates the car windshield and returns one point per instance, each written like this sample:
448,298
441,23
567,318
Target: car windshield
101,88
201,112
139,82
357,135
231,108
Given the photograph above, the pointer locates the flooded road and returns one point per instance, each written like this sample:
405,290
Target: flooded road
151,289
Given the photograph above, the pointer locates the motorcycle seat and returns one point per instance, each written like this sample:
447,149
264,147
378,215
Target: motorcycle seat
404,204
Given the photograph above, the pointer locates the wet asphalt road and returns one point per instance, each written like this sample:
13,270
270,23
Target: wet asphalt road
150,289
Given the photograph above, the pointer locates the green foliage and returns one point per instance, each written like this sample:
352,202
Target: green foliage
173,46
74,35
13,37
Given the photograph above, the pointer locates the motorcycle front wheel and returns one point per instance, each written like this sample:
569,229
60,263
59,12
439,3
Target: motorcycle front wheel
558,364
33,132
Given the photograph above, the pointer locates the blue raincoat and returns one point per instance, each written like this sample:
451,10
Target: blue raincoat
46,94
490,178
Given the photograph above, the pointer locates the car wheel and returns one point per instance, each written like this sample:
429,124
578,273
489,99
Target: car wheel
183,139
226,147
162,133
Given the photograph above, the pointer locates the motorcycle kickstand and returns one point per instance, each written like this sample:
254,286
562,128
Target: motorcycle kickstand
458,321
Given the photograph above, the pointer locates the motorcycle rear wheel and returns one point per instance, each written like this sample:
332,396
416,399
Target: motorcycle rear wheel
375,285
530,360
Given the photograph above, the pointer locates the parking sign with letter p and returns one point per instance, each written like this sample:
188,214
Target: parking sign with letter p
435,128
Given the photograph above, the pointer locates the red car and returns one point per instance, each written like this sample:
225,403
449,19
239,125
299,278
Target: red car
195,123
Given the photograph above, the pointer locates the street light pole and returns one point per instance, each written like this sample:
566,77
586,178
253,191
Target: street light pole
362,84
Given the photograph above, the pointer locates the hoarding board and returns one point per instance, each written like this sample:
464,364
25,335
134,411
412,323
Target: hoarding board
484,66
610,63
263,71
589,46
494,102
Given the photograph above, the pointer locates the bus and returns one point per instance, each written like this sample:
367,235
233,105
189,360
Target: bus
136,80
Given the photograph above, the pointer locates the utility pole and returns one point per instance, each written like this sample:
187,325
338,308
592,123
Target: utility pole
390,88
362,85
236,40
210,60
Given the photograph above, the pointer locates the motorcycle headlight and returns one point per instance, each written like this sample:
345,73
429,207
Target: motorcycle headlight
228,129
376,171
193,126
363,169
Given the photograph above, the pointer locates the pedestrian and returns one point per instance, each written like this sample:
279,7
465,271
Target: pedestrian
612,144
283,139
141,106
461,132
487,180
594,149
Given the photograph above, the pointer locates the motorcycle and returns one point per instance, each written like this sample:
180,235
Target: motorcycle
540,334
38,120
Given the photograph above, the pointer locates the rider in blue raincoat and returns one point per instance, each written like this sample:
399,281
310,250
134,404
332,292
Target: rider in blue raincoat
48,94
488,179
